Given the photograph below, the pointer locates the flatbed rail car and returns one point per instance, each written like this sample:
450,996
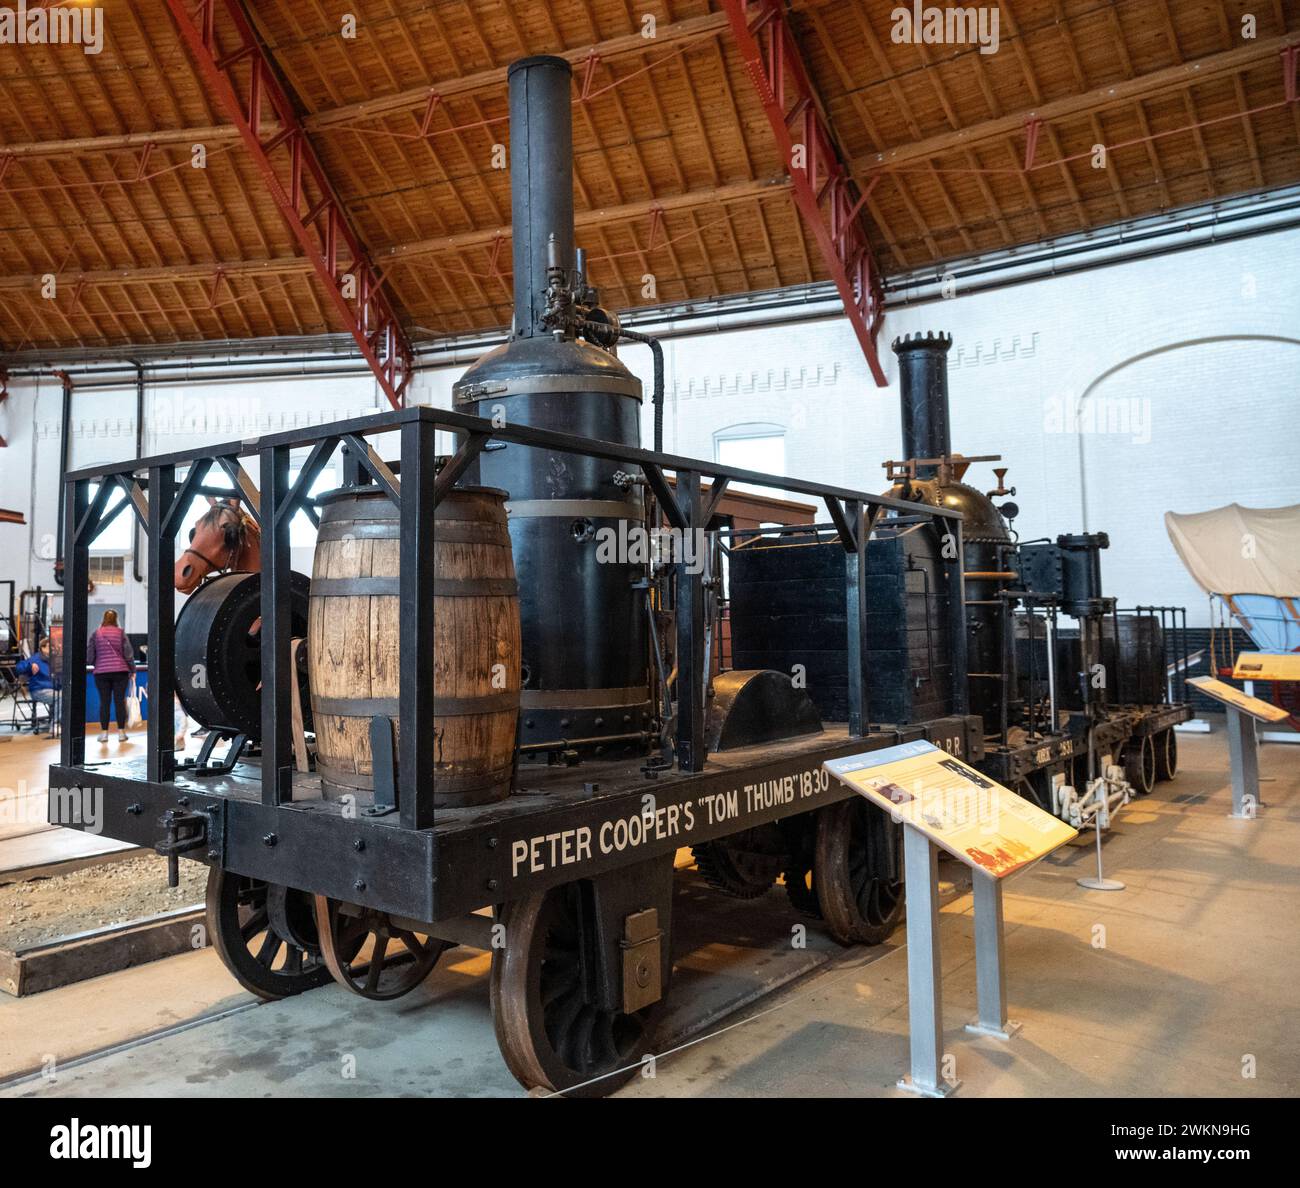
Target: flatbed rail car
575,866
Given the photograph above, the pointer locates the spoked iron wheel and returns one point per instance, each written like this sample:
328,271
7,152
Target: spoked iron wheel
264,934
552,1032
800,889
1166,754
744,866
858,872
1140,764
370,955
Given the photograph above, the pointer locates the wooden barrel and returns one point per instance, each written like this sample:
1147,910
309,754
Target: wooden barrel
354,642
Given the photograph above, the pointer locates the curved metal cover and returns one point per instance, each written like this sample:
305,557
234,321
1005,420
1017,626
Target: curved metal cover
544,365
751,706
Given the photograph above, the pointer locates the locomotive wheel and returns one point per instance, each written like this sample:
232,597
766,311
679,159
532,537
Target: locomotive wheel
265,935
737,865
801,891
384,971
800,887
858,872
1166,744
1140,764
549,1033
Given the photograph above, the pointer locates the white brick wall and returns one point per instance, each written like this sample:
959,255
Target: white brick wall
1195,355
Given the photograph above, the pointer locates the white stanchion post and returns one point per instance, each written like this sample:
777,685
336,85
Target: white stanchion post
1100,820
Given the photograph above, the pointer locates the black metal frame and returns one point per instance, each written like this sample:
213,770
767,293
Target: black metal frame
1172,618
160,500
1112,721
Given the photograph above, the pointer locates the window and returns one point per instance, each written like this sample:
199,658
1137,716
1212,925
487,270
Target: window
116,538
108,569
752,447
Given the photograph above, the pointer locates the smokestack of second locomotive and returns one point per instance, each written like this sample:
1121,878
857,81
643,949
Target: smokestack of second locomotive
541,180
923,384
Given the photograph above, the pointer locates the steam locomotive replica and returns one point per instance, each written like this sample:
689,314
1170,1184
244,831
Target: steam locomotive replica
496,711
1077,718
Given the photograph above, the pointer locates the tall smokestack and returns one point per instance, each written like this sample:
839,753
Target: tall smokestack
583,622
541,180
923,394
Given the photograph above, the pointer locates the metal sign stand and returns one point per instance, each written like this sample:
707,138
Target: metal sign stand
982,824
1243,758
924,980
990,960
924,976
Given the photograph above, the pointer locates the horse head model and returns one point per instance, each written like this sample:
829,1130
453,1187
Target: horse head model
226,540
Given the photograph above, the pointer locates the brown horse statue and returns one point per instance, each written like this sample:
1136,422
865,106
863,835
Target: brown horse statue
226,540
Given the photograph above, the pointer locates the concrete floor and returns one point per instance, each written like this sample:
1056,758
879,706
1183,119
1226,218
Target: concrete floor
1170,987
27,841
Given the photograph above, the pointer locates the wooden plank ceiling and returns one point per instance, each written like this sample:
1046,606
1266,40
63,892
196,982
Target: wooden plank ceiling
676,172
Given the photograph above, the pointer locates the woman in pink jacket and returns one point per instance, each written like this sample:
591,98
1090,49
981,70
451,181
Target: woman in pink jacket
109,651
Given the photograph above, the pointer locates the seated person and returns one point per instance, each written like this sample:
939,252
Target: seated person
40,684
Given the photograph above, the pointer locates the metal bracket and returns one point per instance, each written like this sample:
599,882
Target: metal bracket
296,499
379,470
469,393
173,515
642,960
383,753
667,497
717,489
184,832
244,484
132,489
457,464
205,765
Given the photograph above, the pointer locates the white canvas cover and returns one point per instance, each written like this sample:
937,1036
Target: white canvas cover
1240,550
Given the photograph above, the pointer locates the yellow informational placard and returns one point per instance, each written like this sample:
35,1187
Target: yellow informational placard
1267,666
1260,710
974,818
